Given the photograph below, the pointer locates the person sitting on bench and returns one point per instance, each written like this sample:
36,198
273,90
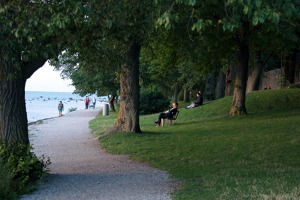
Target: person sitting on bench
168,114
198,102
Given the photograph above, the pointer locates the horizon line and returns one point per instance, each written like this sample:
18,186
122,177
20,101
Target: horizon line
47,91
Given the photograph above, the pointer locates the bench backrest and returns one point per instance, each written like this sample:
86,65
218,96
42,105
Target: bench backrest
175,116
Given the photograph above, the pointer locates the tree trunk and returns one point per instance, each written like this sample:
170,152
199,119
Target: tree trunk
13,116
210,85
290,67
230,76
176,92
238,106
220,88
128,117
186,94
111,102
256,73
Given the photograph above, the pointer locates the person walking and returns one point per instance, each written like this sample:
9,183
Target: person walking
94,102
87,102
60,108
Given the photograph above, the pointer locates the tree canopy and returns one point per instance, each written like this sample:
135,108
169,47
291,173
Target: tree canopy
100,44
30,35
236,26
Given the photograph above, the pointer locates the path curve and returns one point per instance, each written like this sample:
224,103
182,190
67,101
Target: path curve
80,169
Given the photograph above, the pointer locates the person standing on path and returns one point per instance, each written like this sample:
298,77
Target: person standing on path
87,102
94,102
60,108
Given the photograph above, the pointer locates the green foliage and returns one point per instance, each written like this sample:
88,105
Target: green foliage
20,169
6,191
98,49
39,122
29,38
175,57
220,157
220,23
283,82
72,109
167,20
153,101
201,25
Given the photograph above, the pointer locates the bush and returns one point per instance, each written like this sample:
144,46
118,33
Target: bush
72,109
20,169
153,102
6,183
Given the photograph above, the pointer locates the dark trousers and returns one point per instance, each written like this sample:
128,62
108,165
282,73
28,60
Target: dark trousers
163,116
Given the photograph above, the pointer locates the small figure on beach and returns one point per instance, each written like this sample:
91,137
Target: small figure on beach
60,108
94,102
87,102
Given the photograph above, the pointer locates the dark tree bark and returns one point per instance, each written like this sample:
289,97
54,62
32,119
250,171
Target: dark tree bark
186,94
290,67
111,102
210,85
13,116
220,88
176,91
128,118
256,73
230,76
238,106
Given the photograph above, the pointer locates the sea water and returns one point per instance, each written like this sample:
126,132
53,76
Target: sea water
43,105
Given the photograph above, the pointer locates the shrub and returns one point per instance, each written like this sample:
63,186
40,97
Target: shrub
72,109
6,182
20,169
153,102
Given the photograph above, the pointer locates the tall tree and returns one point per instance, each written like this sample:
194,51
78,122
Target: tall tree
130,23
122,26
174,59
240,21
29,37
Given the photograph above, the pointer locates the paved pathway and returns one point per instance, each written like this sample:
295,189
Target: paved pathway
80,169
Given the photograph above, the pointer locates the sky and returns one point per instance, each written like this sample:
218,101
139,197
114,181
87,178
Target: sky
47,80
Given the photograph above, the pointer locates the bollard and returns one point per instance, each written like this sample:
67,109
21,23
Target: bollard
105,109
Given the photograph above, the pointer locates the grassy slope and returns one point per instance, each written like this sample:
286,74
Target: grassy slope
221,157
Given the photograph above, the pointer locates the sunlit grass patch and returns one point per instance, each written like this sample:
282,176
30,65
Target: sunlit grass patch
102,124
220,157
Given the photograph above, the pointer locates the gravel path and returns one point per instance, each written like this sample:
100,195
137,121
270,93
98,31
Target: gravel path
80,169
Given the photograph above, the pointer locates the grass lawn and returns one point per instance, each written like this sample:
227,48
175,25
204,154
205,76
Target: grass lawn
219,157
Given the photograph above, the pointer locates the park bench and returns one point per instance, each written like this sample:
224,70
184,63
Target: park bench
172,119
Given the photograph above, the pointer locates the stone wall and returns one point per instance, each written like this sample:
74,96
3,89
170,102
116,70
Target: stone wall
269,79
